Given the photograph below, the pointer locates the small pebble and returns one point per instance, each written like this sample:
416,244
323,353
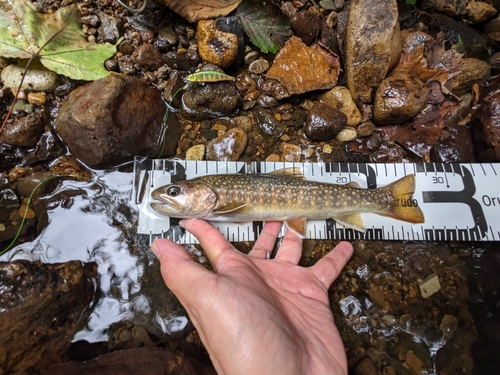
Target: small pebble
327,149
37,99
196,152
258,66
347,134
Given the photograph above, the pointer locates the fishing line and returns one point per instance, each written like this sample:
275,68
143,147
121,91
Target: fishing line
164,123
27,208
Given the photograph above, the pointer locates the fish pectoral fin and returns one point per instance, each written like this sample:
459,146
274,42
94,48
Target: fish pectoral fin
297,225
354,221
229,208
353,184
289,172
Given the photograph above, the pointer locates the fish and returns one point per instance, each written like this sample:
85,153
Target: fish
284,195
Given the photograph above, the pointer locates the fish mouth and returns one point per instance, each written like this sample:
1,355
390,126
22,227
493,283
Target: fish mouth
165,205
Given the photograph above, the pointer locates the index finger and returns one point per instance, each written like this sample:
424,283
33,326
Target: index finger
211,240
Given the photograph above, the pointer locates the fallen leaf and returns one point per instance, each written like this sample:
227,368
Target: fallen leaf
264,24
55,38
195,10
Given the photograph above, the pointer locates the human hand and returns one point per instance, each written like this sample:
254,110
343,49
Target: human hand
258,315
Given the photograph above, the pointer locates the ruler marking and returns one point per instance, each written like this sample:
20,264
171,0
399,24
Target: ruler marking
484,172
493,168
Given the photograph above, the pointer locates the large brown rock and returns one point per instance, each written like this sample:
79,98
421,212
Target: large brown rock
40,307
487,128
373,45
109,121
134,361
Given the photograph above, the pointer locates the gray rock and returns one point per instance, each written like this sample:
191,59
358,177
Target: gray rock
108,30
109,121
227,147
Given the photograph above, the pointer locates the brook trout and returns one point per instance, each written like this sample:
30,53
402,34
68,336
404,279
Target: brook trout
284,195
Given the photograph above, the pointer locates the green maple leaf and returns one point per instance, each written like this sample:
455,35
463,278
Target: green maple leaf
264,24
56,39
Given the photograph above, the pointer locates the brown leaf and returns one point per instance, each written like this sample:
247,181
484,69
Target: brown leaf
195,10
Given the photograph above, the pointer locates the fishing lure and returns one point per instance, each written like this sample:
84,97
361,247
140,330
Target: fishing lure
208,76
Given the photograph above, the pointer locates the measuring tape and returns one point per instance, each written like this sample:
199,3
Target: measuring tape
460,202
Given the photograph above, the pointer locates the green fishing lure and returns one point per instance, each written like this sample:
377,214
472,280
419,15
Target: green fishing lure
208,76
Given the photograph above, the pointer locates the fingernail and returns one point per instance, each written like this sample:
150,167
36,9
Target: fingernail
181,223
155,250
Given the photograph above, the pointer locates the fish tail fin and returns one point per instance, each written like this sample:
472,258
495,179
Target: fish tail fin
402,206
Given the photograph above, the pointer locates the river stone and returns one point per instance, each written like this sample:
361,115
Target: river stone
479,11
35,79
156,361
398,99
148,56
324,122
215,46
110,120
227,147
487,128
306,25
369,58
40,308
340,97
472,71
450,7
24,131
293,64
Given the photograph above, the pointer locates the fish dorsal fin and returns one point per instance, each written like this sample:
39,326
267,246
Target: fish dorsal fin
229,208
354,221
297,225
353,184
289,172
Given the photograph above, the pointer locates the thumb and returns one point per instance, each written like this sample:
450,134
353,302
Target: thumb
178,269
328,268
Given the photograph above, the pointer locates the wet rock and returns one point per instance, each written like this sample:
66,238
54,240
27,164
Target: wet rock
108,30
110,120
267,101
44,182
244,82
154,361
232,25
366,129
368,59
448,326
429,285
398,99
340,97
168,34
306,25
196,152
258,66
324,122
290,153
487,128
473,71
35,79
148,56
455,31
216,47
267,122
201,102
48,148
365,367
68,165
40,307
492,29
414,362
227,147
479,11
456,145
37,98
449,7
292,68
8,203
24,131
347,134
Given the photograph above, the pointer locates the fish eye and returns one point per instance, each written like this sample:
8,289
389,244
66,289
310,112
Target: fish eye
173,191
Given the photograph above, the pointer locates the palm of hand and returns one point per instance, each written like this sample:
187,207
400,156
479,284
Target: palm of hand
259,316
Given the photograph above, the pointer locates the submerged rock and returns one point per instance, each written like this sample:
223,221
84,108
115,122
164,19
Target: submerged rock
40,307
155,361
109,121
369,58
300,68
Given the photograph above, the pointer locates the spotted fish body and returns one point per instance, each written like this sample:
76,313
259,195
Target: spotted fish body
284,196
